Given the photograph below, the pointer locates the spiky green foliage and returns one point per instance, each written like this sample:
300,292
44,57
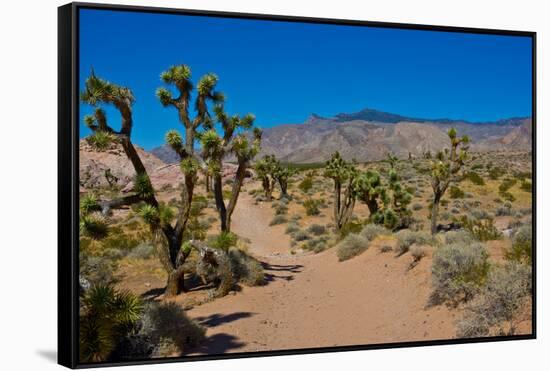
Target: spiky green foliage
223,241
369,188
97,90
100,140
174,140
445,169
106,315
93,226
150,214
89,204
143,186
343,175
189,166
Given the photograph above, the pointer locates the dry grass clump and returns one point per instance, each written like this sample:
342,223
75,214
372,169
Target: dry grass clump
352,245
406,238
278,219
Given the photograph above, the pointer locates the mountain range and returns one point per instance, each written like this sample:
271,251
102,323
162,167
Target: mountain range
369,134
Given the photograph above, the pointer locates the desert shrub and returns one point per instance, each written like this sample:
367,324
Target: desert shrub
281,210
417,252
458,272
503,211
317,229
106,315
169,329
278,219
479,214
97,270
406,238
371,231
317,244
522,245
223,241
475,178
417,207
496,172
497,307
312,206
246,269
142,251
456,192
306,184
526,185
508,196
301,236
352,245
93,226
482,230
506,185
460,236
292,227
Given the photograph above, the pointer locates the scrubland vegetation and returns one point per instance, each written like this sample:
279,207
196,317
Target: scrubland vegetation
143,248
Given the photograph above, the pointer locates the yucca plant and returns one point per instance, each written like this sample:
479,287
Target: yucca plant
106,315
101,140
89,204
93,226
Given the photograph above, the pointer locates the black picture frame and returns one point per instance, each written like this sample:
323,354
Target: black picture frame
68,185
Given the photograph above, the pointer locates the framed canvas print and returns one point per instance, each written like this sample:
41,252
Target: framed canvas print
236,185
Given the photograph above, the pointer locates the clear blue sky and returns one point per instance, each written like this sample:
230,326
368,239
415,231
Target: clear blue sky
283,71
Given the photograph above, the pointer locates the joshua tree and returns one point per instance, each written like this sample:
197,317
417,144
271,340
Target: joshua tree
167,238
282,174
343,175
264,171
368,188
392,160
445,170
216,147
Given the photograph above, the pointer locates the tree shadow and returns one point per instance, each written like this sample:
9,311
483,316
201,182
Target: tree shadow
50,355
153,293
217,319
291,268
218,344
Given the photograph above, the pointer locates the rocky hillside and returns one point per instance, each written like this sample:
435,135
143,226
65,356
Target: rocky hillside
369,134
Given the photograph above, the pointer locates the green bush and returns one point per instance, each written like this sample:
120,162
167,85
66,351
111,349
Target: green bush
522,245
312,207
460,236
475,178
496,309
223,241
459,270
456,192
93,226
496,172
301,236
352,245
526,185
306,184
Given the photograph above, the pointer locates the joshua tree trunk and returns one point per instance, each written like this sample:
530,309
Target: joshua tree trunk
435,212
346,210
220,204
372,204
337,198
284,188
175,283
207,183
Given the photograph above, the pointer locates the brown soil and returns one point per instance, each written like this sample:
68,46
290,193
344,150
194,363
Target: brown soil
312,300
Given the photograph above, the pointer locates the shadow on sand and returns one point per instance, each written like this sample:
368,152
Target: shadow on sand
290,268
217,319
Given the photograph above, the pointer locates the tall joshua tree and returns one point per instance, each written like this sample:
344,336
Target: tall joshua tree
445,170
343,174
168,238
369,189
216,147
265,168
